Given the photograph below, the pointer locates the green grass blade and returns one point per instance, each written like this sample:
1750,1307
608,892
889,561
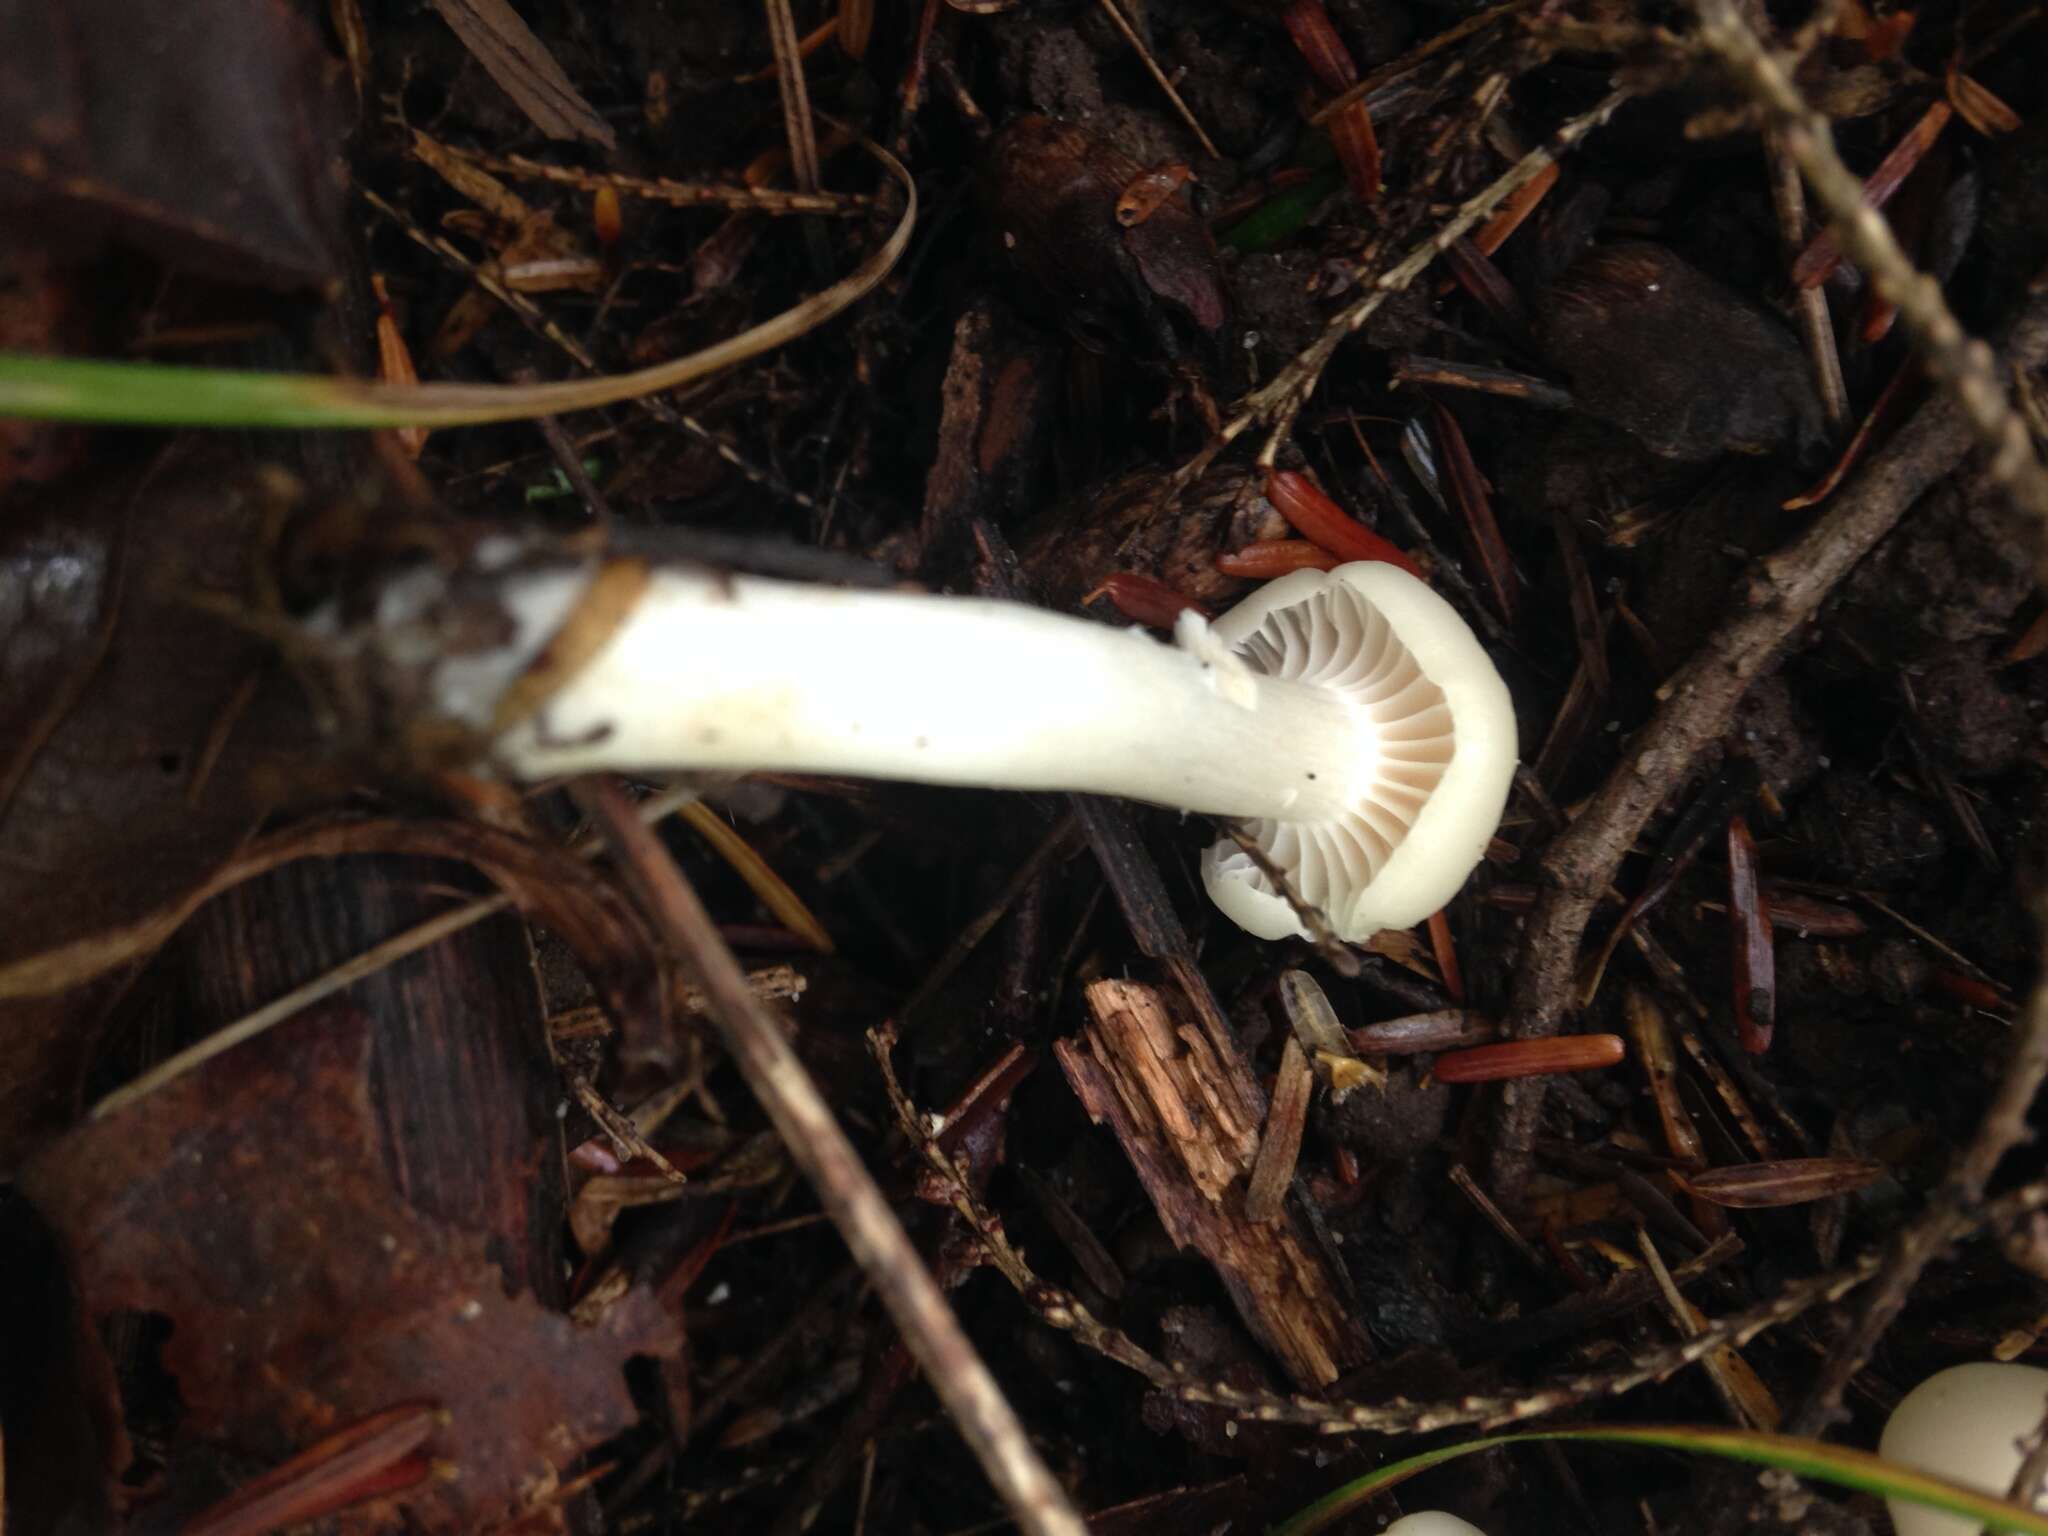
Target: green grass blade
1840,1465
163,395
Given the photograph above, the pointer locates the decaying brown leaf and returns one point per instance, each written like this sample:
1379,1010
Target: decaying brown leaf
249,1205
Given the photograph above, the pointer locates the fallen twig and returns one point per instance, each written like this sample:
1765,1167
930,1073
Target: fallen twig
1699,701
818,1146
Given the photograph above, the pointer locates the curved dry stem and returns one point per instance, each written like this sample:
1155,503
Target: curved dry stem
75,390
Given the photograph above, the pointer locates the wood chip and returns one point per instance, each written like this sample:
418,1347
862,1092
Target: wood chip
1280,1147
1189,1121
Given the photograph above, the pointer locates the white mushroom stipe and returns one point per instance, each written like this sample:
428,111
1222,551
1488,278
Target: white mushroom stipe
1965,1424
1432,1522
1350,718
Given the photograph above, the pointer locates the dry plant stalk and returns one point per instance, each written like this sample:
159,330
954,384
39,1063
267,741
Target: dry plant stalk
847,1190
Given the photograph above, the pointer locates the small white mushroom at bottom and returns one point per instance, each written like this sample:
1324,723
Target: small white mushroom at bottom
1432,1522
1966,1424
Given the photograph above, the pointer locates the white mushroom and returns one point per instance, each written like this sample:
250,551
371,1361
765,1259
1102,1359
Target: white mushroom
1965,1424
1430,774
1350,718
1432,1522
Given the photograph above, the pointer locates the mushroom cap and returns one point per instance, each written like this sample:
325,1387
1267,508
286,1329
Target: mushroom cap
1432,1522
1965,1424
1436,754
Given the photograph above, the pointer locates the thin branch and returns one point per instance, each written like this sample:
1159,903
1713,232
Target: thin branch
1959,363
816,1143
1061,1309
1699,703
1816,325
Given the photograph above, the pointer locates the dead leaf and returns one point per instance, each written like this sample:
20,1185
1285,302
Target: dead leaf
249,1205
1145,192
520,62
225,160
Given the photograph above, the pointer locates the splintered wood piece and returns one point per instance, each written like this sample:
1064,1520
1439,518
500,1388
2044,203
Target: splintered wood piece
1280,1147
1189,1119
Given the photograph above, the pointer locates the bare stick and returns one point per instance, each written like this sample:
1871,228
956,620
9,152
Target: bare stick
1699,702
1962,365
819,1147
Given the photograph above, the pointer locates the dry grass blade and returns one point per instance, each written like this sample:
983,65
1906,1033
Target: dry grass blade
273,1013
91,391
762,880
796,95
1736,1383
520,62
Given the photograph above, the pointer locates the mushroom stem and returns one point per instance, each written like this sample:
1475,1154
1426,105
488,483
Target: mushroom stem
742,673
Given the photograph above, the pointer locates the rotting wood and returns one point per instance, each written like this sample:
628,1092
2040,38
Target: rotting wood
1192,1135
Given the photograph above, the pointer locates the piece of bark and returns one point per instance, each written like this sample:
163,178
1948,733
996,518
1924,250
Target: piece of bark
1136,523
460,1080
992,421
1191,1130
1280,1145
